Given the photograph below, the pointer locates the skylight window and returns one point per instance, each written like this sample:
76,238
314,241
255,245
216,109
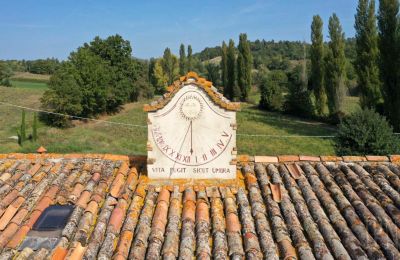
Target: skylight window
47,230
54,217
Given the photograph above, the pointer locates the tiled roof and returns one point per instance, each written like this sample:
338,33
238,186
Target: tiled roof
192,78
282,208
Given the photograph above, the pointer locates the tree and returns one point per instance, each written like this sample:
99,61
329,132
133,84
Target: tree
5,74
335,68
233,91
189,58
271,89
366,62
161,78
224,67
298,100
213,73
34,127
182,60
389,42
23,127
99,77
170,66
317,64
244,62
366,132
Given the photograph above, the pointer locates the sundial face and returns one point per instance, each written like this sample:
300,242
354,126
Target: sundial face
192,137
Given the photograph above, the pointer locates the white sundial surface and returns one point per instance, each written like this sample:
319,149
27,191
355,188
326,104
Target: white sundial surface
191,131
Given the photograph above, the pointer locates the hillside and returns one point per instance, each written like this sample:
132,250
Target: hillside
98,137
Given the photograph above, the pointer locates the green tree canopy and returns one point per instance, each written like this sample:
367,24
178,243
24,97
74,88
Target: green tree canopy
335,63
244,66
182,60
317,64
99,77
367,53
389,47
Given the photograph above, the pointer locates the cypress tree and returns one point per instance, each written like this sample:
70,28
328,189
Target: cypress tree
182,60
245,61
366,62
388,25
189,58
335,67
317,64
23,127
224,68
34,127
233,91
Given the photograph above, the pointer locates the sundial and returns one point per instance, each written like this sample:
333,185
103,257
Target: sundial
192,132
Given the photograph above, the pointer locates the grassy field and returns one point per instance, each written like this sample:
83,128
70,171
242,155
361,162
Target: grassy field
29,84
95,137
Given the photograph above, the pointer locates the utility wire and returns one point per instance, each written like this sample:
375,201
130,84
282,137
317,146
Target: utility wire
145,126
77,117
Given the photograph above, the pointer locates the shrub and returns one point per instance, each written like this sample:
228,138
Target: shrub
271,87
366,132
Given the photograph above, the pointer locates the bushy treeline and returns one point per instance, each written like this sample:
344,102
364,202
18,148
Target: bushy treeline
99,77
39,66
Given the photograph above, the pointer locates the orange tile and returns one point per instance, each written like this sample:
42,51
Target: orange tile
124,245
354,158
251,179
97,198
276,192
77,190
288,158
202,212
375,158
96,176
52,192
331,158
92,207
10,212
309,158
8,233
232,223
59,253
33,217
76,252
116,219
294,170
160,216
266,159
163,195
117,185
18,237
395,158
43,203
189,209
20,216
34,169
83,199
124,169
10,198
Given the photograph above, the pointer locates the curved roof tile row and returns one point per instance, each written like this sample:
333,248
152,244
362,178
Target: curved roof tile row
283,210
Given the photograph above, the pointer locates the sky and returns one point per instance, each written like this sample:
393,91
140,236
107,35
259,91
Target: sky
34,29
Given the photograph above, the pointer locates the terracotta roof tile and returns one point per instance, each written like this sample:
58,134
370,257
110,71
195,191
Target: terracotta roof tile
296,209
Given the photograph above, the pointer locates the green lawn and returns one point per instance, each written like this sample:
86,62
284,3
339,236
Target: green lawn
29,84
95,137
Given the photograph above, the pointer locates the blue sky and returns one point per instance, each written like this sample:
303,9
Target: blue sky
33,29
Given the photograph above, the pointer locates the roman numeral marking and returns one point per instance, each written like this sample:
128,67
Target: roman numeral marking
220,144
204,157
213,152
225,134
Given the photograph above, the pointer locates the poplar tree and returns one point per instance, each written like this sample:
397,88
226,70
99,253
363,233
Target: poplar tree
189,58
233,91
182,60
23,126
224,68
170,66
388,25
244,63
34,127
335,67
366,62
317,64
